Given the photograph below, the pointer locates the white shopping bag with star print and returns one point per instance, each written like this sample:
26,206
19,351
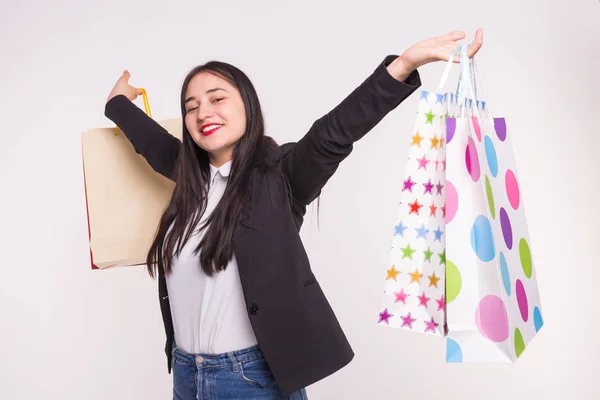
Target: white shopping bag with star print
414,290
465,273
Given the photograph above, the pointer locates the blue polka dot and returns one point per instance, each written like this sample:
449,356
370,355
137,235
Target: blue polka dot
482,239
490,154
505,274
537,319
453,352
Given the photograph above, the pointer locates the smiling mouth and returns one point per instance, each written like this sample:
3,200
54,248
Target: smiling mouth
209,130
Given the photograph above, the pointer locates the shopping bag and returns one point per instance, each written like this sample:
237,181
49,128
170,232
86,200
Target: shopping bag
414,289
492,298
490,305
125,197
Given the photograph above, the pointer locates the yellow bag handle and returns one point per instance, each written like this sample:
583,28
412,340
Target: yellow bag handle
146,107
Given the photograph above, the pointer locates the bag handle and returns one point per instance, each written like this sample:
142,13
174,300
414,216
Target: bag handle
146,107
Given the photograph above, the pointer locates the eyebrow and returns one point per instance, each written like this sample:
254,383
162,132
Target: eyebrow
207,92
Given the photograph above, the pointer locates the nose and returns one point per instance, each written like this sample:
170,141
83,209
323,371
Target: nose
204,111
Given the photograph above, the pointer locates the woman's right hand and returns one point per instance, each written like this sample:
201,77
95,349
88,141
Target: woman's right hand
123,87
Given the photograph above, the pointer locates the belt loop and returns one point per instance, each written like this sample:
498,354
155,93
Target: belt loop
234,363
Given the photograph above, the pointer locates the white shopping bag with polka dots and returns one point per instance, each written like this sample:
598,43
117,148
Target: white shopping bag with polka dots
491,302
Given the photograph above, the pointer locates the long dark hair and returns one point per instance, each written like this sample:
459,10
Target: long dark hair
192,177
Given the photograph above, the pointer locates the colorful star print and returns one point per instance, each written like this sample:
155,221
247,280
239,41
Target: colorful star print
423,299
422,232
440,303
438,235
439,188
432,210
415,207
385,316
408,184
428,254
416,139
430,116
400,228
392,273
407,252
431,325
407,320
434,142
428,187
442,256
401,296
433,280
415,276
423,161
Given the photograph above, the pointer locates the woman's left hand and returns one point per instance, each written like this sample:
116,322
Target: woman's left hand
430,50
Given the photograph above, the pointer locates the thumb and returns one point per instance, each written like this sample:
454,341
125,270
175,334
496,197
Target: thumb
126,75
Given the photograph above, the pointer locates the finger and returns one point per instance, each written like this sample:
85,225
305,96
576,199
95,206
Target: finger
126,75
454,35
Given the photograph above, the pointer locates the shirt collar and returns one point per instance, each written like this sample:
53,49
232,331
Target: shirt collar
223,170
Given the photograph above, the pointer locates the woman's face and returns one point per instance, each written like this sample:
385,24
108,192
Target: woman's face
215,115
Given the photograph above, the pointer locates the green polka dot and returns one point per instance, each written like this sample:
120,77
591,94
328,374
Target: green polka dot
490,196
525,255
453,281
519,343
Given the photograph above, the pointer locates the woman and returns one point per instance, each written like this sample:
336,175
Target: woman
245,317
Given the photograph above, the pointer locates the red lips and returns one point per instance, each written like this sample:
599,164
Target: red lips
211,131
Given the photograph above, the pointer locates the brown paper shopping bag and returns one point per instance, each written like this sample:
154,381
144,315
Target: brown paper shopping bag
125,197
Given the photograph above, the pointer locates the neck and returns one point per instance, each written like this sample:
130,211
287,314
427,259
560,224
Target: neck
218,159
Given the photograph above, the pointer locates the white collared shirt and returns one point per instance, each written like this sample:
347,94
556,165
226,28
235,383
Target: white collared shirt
209,313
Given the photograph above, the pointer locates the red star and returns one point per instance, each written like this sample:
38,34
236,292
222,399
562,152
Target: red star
432,209
444,210
414,207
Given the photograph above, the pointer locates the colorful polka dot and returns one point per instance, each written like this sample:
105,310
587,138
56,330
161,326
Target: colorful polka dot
453,281
491,318
500,127
476,127
490,197
450,129
537,319
451,201
522,300
525,255
512,189
482,239
519,343
472,160
490,155
453,352
506,228
505,273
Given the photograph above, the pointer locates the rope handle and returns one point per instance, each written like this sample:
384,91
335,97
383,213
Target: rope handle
146,107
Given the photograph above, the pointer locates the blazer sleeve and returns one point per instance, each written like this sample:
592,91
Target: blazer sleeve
317,155
149,139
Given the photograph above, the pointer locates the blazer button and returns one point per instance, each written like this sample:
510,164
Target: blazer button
253,309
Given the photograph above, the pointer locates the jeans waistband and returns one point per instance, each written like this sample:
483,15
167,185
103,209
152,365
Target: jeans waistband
229,358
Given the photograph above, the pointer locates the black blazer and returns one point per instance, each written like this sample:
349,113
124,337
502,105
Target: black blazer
294,324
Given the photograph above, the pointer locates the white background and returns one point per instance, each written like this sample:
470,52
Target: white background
71,333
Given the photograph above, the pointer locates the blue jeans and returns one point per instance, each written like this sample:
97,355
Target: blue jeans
241,374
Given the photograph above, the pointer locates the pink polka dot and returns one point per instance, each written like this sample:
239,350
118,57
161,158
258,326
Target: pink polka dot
512,189
522,300
491,318
472,160
476,127
451,201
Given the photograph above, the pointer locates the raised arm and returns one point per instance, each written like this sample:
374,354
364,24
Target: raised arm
149,139
315,158
311,162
